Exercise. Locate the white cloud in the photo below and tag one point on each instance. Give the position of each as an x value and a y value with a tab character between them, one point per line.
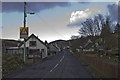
82	15
118	3
114	9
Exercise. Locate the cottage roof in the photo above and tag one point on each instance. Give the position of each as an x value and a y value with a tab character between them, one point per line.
12	47
32	35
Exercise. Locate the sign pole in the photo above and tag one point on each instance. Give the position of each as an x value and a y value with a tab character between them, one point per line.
24	26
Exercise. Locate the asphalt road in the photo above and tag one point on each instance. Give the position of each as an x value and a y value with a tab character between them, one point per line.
63	65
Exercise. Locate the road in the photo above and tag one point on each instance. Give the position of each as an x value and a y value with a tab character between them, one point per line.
63	65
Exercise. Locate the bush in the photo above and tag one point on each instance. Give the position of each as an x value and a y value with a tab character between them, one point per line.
74	50
115	51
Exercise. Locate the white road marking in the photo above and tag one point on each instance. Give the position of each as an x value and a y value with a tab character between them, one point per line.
57	64
61	59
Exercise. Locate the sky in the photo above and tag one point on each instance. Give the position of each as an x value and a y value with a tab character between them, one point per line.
52	20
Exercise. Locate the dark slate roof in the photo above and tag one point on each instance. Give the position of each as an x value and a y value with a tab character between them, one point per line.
32	35
89	46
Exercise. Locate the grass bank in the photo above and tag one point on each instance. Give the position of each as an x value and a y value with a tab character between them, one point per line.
100	66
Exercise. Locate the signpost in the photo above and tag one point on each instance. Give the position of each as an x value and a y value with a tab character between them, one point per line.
24	35
25	15
24	32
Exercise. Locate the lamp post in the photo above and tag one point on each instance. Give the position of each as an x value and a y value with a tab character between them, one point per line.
25	15
24	26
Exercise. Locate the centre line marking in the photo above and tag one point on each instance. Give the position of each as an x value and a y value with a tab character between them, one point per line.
61	59
57	64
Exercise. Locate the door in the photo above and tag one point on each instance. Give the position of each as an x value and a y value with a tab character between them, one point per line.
43	53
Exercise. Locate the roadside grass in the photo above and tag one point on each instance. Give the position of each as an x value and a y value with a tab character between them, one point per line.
112	60
97	73
11	63
108	59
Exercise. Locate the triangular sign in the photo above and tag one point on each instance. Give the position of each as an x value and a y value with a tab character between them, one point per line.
24	31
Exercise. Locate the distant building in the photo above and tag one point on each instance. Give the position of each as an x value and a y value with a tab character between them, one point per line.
60	44
34	45
88	45
52	49
9	44
14	50
102	49
90	49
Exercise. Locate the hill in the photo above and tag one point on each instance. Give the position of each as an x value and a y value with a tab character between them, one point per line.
111	41
9	43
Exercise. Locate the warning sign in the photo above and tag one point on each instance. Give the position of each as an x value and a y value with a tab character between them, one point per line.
23	32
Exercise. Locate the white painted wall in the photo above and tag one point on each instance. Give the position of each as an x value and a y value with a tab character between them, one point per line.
39	45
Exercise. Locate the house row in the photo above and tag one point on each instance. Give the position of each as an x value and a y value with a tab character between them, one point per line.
87	45
91	45
33	46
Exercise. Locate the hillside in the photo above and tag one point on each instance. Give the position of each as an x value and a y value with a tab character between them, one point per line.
60	43
111	42
10	43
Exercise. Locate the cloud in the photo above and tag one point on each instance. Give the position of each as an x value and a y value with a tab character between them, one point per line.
36	6
79	16
114	9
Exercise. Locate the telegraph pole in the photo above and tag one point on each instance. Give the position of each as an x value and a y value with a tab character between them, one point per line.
24	26
25	15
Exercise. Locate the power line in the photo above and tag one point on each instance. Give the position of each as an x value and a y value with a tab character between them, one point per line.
44	20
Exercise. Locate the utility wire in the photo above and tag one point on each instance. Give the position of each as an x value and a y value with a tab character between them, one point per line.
44	20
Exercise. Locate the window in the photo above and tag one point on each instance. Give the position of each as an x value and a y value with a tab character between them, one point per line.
32	43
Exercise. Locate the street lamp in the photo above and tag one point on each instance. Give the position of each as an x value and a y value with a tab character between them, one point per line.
25	15
31	13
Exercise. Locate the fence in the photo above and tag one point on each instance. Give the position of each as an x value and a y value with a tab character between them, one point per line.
108	70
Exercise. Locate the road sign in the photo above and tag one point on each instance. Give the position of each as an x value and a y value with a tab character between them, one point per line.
23	32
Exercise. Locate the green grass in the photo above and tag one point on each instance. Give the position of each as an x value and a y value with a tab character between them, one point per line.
97	73
74	50
113	60
11	63
111	42
104	59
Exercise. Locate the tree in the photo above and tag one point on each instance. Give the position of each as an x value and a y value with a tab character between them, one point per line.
93	26
117	28
99	22
87	29
46	43
106	31
74	37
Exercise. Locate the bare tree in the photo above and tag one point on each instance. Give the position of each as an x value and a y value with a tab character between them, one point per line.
87	28
99	22
117	28
74	37
93	26
106	31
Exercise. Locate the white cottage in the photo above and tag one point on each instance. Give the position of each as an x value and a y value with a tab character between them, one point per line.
35	45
